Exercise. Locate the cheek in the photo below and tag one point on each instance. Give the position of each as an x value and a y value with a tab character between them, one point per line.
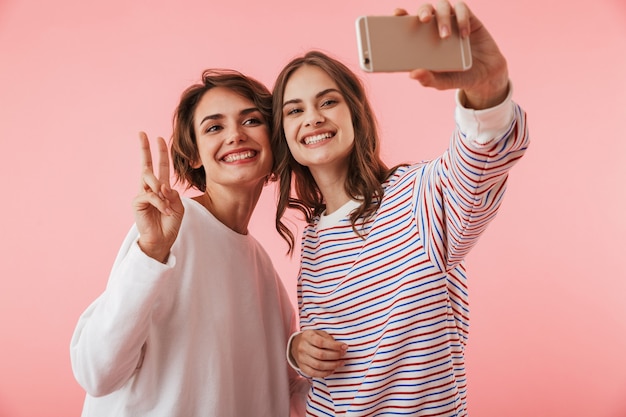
269	164
292	147
290	130
264	139
347	120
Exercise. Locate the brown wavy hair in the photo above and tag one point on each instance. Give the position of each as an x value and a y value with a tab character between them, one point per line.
366	171
184	147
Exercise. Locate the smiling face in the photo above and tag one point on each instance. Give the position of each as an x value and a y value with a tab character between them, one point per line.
316	121
232	139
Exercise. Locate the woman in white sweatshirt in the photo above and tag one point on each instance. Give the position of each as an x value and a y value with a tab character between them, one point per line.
194	319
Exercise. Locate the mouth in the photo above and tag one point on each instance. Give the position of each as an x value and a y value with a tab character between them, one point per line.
311	140
239	156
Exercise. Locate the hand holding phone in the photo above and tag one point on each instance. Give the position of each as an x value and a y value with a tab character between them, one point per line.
403	43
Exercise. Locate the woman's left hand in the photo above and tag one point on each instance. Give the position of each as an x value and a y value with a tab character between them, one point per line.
486	83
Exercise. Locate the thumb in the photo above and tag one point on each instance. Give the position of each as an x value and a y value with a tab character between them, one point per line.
437	80
173	198
424	77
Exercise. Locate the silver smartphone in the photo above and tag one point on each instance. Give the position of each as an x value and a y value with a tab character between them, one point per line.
403	43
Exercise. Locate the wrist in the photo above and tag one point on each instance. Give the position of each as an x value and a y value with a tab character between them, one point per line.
155	253
484	100
489	93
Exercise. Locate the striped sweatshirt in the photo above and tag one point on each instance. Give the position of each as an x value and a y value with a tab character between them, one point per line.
398	295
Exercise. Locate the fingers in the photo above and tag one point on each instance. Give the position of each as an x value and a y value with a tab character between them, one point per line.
426	12
323	340
463	15
154	191
444	20
148	180
148	199
317	353
145	154
174	202
445	13
164	163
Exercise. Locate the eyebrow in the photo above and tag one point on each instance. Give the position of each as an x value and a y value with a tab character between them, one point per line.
318	95
218	116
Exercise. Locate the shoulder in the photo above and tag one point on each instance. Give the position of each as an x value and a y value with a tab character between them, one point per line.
195	212
198	223
404	173
263	256
191	205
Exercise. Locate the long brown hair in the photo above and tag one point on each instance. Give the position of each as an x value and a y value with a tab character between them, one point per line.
184	147
366	171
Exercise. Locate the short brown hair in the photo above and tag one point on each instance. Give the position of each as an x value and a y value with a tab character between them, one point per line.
184	147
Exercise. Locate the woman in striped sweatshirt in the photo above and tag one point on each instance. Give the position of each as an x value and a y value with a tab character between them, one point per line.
382	291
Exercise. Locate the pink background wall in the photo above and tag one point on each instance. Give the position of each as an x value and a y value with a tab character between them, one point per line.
78	80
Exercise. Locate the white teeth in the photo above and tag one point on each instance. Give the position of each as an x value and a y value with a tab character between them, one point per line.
239	156
317	138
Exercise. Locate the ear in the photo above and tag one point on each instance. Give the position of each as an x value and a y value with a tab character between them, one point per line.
195	164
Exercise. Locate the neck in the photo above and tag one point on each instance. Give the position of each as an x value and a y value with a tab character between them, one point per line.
233	208
332	185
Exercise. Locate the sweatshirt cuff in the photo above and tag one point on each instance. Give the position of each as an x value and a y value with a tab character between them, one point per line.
482	126
136	252
143	269
290	358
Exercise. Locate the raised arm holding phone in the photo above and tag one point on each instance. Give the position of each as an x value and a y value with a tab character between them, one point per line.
382	287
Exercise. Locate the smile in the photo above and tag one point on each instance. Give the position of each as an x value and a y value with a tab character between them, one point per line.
234	157
310	140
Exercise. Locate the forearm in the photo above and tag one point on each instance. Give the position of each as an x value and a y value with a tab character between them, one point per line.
480	160
107	344
467	183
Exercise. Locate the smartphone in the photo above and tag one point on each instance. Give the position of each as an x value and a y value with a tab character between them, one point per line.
403	43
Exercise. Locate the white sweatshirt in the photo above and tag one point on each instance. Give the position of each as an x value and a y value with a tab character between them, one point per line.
203	335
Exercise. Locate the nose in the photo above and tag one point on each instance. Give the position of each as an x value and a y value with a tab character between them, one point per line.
236	134
314	118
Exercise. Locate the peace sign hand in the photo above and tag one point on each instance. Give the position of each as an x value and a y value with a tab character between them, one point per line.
158	208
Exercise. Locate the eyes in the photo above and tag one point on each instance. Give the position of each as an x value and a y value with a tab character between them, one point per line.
296	108
217	125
